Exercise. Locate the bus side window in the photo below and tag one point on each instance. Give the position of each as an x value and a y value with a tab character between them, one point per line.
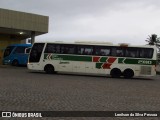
105	52
63	49
50	48
141	53
97	50
81	50
88	51
102	51
127	54
66	49
146	53
132	52
113	51
119	53
85	50
71	49
19	50
57	48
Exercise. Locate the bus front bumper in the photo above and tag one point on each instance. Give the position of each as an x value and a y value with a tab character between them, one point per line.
6	62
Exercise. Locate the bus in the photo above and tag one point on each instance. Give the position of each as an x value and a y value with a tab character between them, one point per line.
94	58
16	54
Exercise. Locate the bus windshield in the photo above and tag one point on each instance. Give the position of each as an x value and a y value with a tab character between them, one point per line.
8	51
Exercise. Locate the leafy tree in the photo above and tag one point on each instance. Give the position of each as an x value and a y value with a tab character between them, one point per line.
153	40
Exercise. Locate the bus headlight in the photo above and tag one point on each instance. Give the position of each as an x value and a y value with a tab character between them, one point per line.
7	61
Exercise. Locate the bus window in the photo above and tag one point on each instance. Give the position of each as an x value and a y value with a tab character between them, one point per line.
67	49
19	49
71	49
8	51
36	52
85	50
132	52
103	51
117	51
146	53
52	48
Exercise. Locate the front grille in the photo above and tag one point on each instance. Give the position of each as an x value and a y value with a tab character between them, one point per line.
145	70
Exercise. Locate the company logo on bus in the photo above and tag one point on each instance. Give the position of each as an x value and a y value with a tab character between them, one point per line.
145	62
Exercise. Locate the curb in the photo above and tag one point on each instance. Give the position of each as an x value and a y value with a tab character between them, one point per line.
4	66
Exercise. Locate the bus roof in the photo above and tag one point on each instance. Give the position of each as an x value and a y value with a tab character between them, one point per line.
100	44
26	45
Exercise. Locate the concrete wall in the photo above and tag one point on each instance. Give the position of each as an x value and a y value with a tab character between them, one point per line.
16	26
23	21
4	42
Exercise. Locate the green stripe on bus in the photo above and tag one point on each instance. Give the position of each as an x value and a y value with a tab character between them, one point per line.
99	65
120	60
69	57
76	58
103	59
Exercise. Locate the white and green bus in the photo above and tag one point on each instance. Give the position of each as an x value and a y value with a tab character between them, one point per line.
93	58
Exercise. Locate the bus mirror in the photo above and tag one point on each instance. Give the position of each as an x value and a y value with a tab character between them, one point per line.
27	50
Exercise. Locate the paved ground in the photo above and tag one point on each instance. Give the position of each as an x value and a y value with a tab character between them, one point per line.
22	90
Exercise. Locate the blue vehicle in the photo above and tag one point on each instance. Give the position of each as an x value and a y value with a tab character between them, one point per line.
16	54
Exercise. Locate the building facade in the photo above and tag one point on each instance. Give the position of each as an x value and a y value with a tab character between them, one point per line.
16	26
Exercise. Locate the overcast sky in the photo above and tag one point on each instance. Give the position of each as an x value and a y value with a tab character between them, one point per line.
117	21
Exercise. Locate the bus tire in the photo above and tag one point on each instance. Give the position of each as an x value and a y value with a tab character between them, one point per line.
128	73
15	63
115	73
49	69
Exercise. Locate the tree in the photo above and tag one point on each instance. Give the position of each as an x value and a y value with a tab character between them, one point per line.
153	40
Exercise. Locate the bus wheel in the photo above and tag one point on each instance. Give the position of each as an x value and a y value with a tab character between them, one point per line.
49	69
128	73
115	73
15	63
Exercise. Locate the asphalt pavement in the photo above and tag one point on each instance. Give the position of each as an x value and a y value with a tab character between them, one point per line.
23	90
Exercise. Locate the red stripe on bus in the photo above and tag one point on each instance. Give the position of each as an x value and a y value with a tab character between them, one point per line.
96	59
106	66
111	60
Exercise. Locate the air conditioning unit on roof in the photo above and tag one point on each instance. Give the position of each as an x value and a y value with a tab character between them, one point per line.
94	42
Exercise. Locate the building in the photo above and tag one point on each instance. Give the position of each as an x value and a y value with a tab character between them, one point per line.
16	26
